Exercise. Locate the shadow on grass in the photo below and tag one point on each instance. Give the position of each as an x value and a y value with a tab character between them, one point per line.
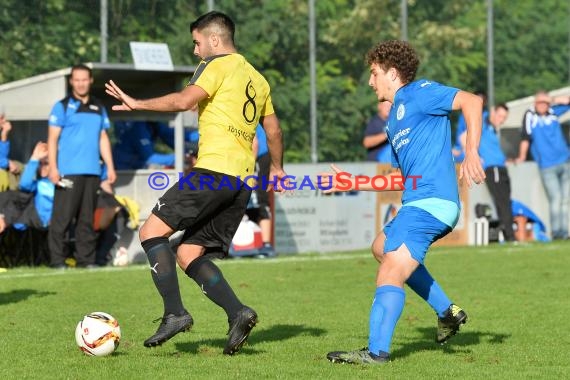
460	343
273	333
18	295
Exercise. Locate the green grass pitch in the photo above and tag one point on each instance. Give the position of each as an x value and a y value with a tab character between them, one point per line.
516	298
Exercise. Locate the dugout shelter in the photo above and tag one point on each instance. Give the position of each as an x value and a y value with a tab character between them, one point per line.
29	101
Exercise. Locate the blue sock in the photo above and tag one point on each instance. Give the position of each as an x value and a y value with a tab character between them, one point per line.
426	287
386	310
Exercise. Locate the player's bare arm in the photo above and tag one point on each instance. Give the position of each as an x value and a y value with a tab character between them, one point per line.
472	108
274	135
183	100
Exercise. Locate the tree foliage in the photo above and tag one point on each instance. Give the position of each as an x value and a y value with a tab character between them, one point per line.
531	49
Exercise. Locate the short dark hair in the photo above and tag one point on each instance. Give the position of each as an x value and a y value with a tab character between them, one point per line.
503	106
397	54
81	66
219	19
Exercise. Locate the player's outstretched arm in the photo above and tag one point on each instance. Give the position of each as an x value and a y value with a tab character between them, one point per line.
184	100
342	181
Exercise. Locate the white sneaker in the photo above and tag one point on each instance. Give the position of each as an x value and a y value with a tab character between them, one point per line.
121	257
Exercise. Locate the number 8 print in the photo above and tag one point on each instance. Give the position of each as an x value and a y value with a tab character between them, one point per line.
249	107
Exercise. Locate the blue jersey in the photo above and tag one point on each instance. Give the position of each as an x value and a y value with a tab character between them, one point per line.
384	154
262	147
420	134
461	128
81	126
4	154
547	143
490	147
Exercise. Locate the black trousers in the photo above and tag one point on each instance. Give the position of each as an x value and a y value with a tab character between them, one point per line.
69	204
499	185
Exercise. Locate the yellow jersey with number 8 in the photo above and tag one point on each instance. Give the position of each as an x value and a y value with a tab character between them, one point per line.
238	96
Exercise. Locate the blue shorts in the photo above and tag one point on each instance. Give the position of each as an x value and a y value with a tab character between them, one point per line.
416	228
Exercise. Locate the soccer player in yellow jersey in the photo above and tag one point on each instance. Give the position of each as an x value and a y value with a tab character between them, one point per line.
232	98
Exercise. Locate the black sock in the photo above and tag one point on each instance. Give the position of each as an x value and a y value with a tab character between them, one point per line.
162	263
213	284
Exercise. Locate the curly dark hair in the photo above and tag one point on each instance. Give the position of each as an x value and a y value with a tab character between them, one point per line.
397	54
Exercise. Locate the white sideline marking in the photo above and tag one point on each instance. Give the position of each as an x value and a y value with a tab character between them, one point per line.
245	261
293	258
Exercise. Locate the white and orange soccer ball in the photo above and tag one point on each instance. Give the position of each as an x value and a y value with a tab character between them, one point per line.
98	334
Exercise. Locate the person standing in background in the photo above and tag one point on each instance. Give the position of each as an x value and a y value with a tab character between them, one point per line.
375	138
542	133
260	213
494	163
77	141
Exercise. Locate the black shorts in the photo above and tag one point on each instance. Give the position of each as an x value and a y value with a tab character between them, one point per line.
259	213
209	214
261	210
263	164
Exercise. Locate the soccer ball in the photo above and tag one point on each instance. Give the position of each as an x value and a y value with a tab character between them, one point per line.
98	334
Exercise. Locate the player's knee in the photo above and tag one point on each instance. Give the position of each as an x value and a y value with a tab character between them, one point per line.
146	232
154	227
377	253
187	254
378	249
390	272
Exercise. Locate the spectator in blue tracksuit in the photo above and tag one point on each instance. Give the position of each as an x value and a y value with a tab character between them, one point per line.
22	212
35	180
542	133
134	148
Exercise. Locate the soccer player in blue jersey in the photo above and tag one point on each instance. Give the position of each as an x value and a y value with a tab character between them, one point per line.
420	134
